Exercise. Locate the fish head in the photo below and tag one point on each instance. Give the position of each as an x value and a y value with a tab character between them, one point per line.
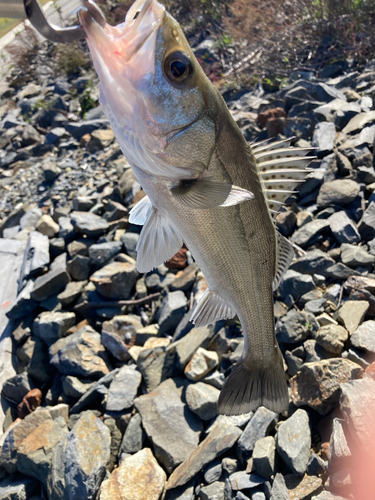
153	90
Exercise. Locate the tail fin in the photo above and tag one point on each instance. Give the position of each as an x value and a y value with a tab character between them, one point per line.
249	387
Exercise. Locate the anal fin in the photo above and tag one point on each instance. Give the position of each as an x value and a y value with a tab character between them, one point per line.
211	308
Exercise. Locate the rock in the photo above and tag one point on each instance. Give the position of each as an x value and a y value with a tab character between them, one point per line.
303	488
326	495
364	337
201	364
323	138
202	400
101	253
340	272
343	228
366	225
12	488
119	335
152	363
318	384
75	387
35	451
308	233
138	477
116	280
313	262
214	491
316	466
81	354
259	426
295	284
79	267
295	327
264	457
50	171
71	292
279	490
130	241
213	472
351	314
187	346
14	437
171	311
50	283
66	229
47	226
332	338
294	363
358	122
315	306
89	224
36	254
338	446
30	402
123	389
50	326
242	481
23	304
87	453
185	279
96	395
31	218
15	388
220	439
172	428
178	261
134	436
293	441
338	192
354	256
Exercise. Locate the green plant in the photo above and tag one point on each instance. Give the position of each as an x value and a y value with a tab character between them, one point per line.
71	59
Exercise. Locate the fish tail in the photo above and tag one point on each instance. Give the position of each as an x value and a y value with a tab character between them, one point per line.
251	385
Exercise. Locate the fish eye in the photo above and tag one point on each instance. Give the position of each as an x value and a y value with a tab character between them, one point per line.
178	68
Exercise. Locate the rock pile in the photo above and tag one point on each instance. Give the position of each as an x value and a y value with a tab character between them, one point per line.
116	392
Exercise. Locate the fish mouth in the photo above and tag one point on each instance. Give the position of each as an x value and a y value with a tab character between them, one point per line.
126	39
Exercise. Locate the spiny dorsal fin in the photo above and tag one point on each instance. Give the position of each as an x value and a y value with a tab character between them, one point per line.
284	256
211	308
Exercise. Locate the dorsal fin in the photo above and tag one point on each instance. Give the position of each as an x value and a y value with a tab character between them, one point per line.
284	256
281	170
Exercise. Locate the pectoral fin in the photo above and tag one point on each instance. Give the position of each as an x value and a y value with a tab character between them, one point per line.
158	242
211	308
203	194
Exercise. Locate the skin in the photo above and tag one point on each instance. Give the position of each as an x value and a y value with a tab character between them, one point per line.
185	131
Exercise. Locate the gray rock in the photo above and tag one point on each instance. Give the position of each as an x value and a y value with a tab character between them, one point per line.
202	363
50	171
23	304
15	435
264	456
171	311
116	280
81	354
259	426
338	445
152	364
220	439
31	218
358	122
323	138
296	327
88	223
39	368
352	313
94	395
313	262
213	472
101	253
316	466
295	284
279	490
66	228
119	335
87	453
79	129
36	254
75	387
293	441
50	326
338	192
35	451
241	480
123	388
327	495
354	256
71	292
340	272
12	488
364	337
172	428
315	352
130	241
315	306
343	228
79	267
294	363
366	225
56	135
214	491
332	338
303	487
307	234
187	346
15	388
329	111
134	436
202	400
318	384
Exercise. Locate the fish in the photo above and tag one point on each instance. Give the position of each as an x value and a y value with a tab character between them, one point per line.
205	186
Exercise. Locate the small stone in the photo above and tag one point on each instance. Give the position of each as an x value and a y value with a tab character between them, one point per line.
221	438
260	425
50	284
295	284
75	387
318	384
119	335
279	490
172	428
332	338
364	337
18	489
31	218
303	488
30	402
366	225
96	395
138	477
59	411
39	368
101	253
71	292
36	254
79	267
201	364
87	452
23	304
323	138
351	314
81	354
187	346
202	400
316	466
50	171
340	272
338	192
242	481
293	441
134	436
185	279
343	228
130	241
89	224
213	472
354	256
15	388
47	226
116	280
171	311
264	456
338	446
214	491
309	233
295	327
123	389
50	326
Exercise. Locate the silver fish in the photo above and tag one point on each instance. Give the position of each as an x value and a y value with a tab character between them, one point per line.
205	185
